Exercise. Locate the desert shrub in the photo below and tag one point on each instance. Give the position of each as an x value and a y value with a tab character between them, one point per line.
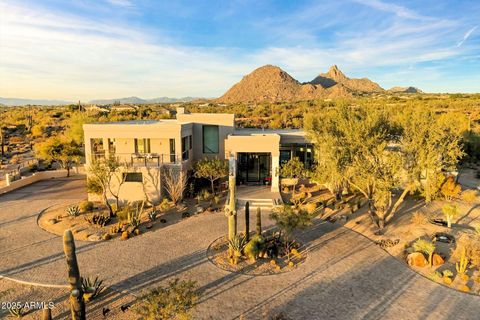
254	247
311	207
123	213
471	243
205	194
86	206
171	302
426	247
419	218
450	189
164	205
447	273
469	196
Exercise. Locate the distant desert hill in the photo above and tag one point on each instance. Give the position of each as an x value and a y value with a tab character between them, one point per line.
404	90
270	83
334	77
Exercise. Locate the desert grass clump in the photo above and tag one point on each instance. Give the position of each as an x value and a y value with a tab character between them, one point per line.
171	302
469	196
426	247
419	218
86	206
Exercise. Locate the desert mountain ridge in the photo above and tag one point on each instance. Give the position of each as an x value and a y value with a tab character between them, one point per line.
272	84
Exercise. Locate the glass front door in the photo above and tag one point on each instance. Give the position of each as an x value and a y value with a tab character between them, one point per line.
253	167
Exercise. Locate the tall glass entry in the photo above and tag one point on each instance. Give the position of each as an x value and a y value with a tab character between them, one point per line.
253	168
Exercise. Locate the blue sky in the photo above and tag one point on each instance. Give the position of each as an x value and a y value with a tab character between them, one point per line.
83	49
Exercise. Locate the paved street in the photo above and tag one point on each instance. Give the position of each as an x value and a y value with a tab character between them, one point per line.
345	275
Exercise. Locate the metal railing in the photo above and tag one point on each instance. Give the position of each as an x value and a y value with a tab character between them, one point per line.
140	159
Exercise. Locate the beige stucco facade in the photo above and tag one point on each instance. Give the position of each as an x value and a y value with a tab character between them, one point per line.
146	147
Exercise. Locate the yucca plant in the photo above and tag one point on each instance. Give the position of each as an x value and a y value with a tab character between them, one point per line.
73	211
92	288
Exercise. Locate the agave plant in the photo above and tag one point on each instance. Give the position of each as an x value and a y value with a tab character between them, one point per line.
237	244
152	215
73	211
17	312
92	288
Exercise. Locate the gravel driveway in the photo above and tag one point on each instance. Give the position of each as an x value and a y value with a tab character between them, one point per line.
344	277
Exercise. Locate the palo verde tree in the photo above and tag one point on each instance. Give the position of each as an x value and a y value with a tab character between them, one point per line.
374	153
430	144
101	173
356	142
211	169
60	149
293	169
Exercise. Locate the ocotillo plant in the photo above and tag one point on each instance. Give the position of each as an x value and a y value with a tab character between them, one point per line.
247	221
259	221
77	304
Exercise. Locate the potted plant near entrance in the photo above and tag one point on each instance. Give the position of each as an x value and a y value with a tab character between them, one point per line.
267	181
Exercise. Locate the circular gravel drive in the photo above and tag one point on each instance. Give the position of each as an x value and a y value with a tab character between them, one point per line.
344	277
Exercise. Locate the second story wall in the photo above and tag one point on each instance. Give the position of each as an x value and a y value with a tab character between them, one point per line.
209	132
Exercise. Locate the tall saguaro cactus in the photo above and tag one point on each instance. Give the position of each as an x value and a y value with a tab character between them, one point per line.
77	304
247	221
232	212
47	314
259	221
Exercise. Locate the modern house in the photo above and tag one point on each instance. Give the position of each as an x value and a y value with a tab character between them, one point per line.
145	147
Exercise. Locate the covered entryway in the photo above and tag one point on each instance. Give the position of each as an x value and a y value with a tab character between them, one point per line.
257	158
254	168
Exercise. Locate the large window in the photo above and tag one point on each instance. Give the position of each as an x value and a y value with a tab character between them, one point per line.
142	145
133	177
210	139
185	148
172	150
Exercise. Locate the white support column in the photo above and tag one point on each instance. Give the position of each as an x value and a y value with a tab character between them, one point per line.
275	173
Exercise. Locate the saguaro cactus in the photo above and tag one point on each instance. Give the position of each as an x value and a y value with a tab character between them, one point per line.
77	304
47	313
259	221
247	221
232	212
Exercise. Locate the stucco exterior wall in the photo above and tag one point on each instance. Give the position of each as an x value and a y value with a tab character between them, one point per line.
226	125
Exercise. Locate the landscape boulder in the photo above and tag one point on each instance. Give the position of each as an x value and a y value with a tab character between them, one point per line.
437	260
416	259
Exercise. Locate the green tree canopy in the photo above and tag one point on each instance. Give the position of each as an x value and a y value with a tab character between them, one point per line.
211	169
61	150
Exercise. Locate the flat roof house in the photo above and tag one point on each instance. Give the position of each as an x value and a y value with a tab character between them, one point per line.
145	147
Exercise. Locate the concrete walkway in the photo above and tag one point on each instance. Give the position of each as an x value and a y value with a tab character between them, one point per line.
344	277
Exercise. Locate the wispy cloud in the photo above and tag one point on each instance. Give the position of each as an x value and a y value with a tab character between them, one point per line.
64	54
466	36
120	3
399	11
